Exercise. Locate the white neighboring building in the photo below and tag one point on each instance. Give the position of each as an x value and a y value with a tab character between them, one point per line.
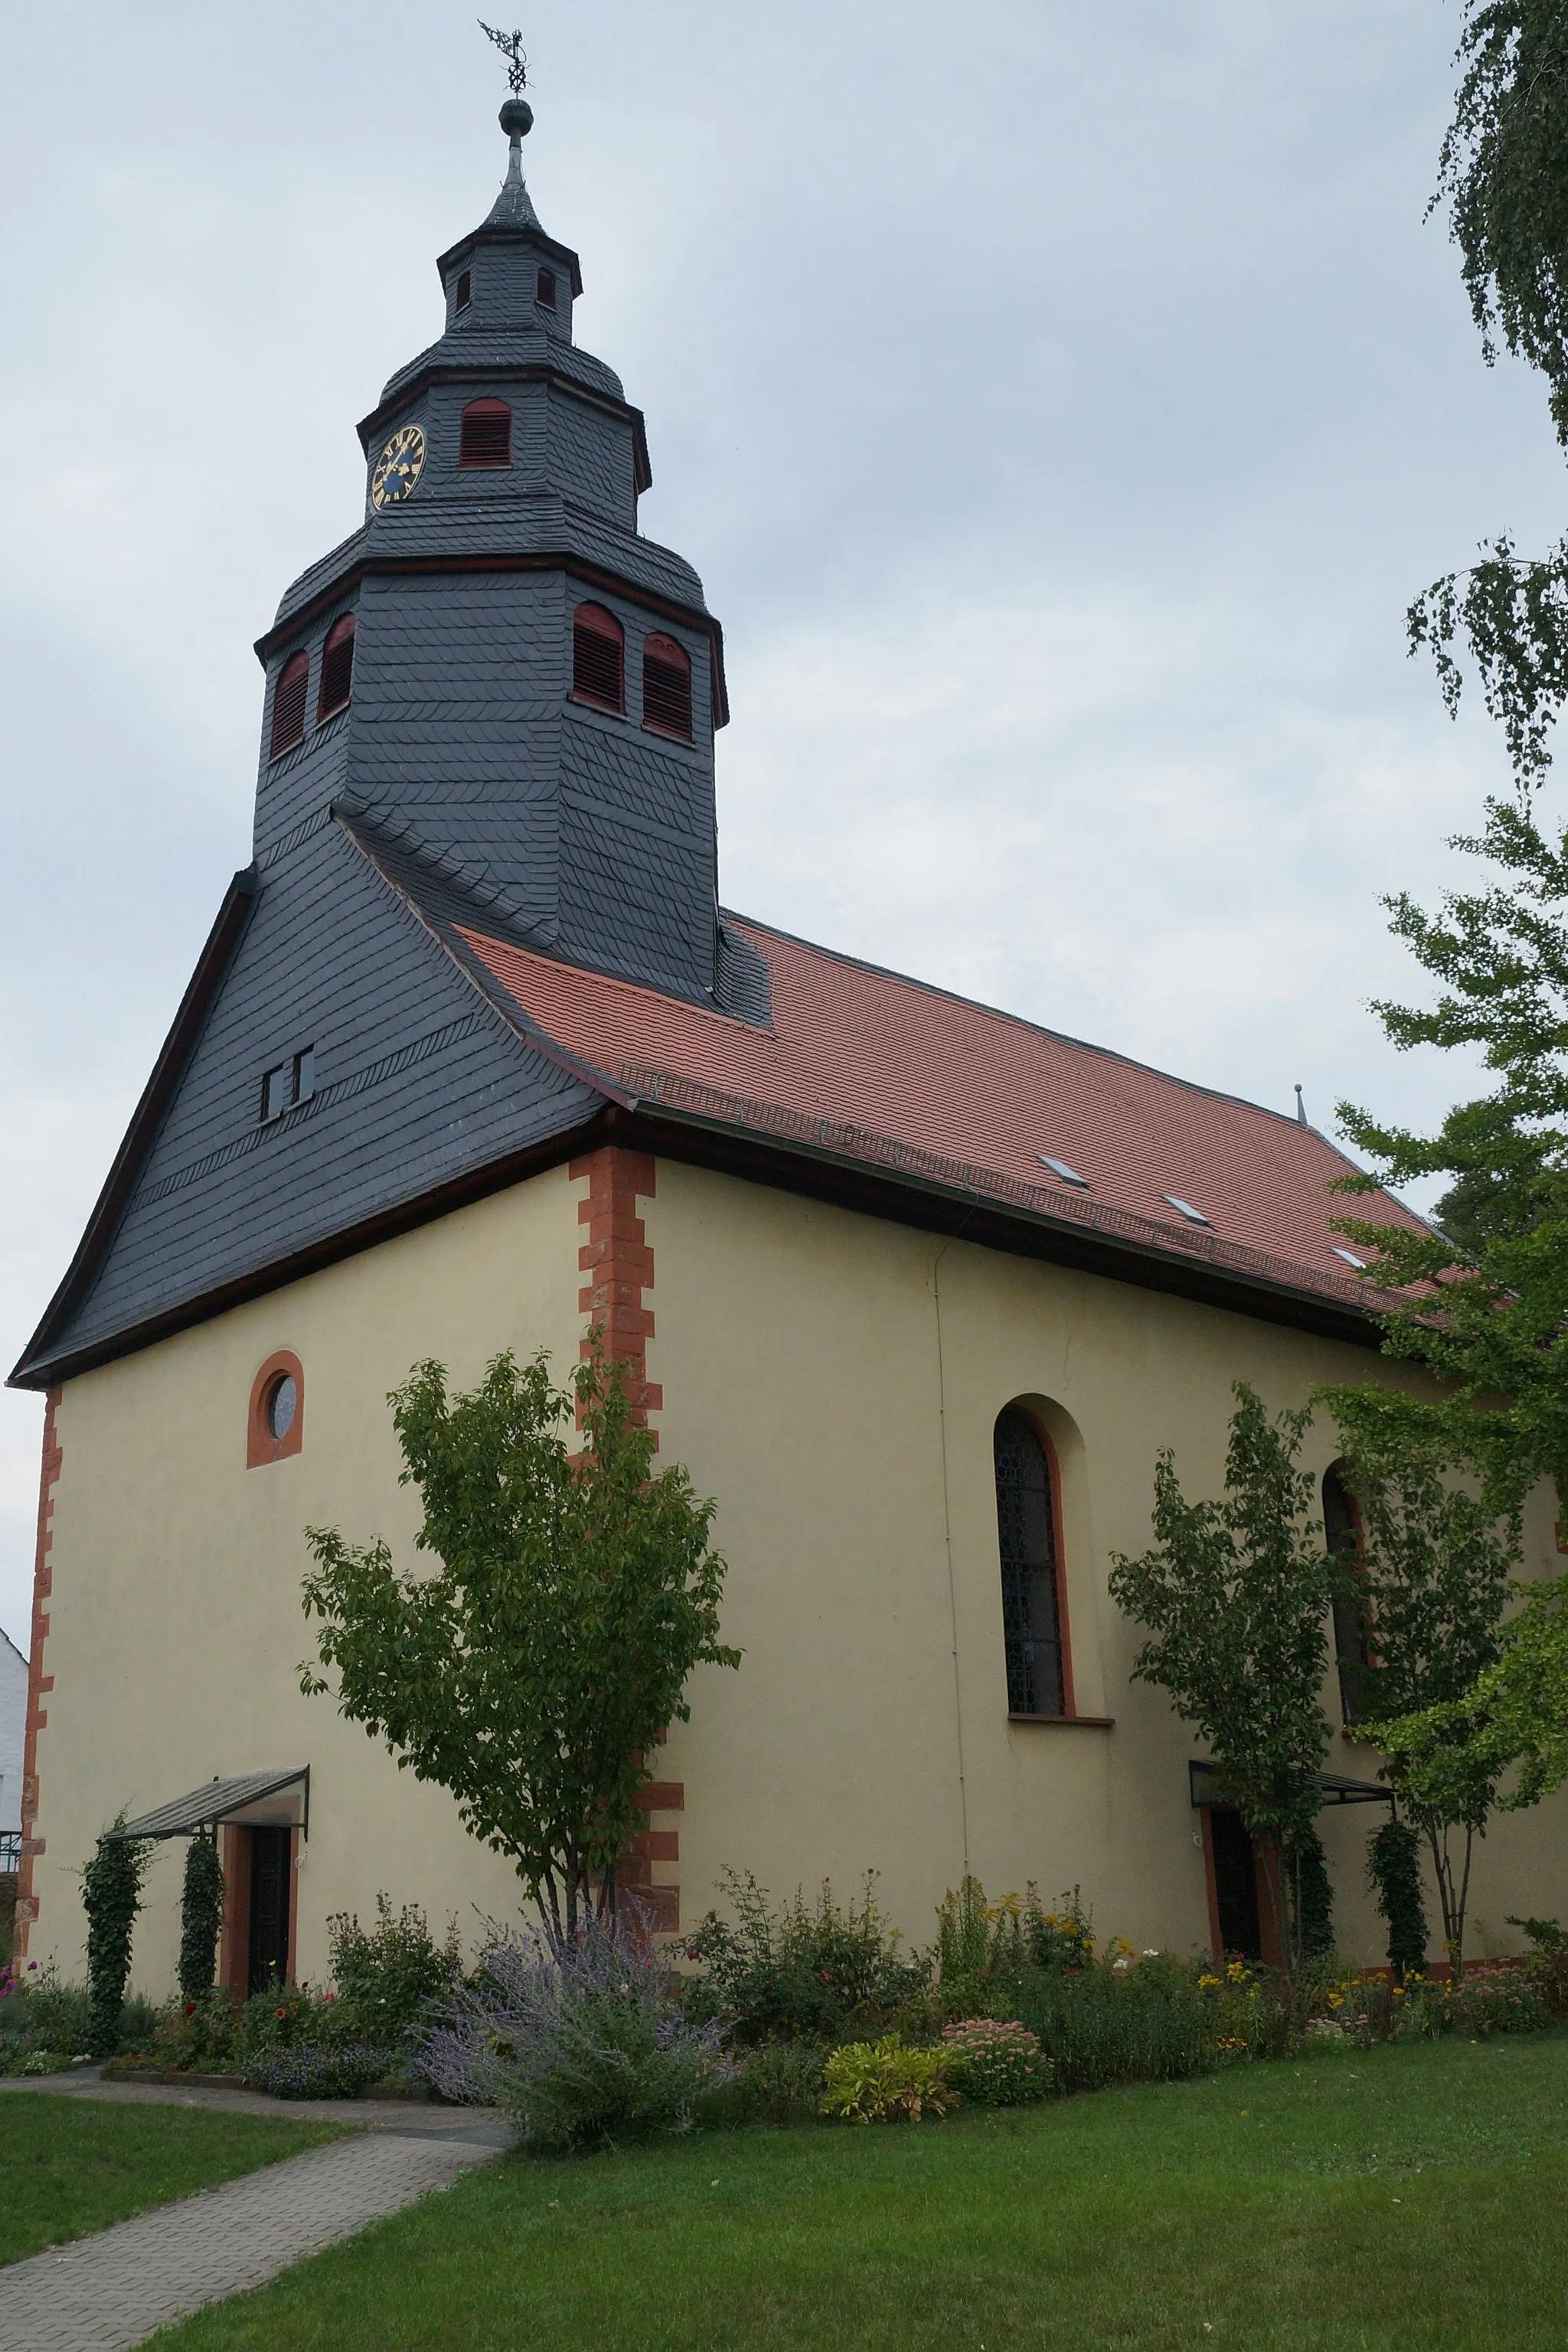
13	1728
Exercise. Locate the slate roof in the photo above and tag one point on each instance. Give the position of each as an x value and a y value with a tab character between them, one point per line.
918	1078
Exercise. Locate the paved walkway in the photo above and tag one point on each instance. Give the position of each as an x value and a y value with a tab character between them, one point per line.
108	2292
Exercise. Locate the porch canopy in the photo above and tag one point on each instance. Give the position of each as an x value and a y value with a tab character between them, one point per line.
1207	1787
279	1801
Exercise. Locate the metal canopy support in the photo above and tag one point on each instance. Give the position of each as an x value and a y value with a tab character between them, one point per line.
1207	1787
262	1800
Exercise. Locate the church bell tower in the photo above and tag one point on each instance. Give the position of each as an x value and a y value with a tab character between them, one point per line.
497	675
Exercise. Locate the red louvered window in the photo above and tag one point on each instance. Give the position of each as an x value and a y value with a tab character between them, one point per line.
465	290
289	703
337	667
487	433
598	658
665	687
545	296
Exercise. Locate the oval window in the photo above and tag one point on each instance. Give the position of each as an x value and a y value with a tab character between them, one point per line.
282	1400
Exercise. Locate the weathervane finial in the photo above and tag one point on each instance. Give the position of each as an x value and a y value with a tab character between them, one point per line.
516	55
516	115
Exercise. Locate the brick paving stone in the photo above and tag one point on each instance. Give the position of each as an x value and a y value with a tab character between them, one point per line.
409	2118
107	2293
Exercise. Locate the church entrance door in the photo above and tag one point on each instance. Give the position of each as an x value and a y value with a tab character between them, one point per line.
1234	1863
270	1854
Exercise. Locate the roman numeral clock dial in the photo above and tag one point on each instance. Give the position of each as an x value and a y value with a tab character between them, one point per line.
398	468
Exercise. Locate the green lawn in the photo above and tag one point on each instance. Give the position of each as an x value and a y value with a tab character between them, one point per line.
73	2165
1384	2202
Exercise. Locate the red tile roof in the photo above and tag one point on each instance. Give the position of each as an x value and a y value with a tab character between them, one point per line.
867	1050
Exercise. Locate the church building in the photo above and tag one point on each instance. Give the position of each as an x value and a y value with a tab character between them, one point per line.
475	1057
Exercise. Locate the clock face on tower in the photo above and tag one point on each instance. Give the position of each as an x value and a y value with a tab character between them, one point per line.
398	468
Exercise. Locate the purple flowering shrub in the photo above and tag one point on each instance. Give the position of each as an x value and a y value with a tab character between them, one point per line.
579	2041
319	2071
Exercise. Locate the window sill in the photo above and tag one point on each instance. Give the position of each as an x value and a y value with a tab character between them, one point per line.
592	702
1082	1722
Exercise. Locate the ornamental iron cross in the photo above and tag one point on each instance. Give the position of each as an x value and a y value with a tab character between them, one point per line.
516	55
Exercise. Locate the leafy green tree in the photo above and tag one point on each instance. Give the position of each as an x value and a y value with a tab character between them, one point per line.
1234	1595
1430	1577
1503	172
1514	1715
1483	1298
537	1668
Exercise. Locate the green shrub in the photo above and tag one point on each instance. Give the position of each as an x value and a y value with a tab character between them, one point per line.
772	2083
111	1898
984	1947
798	1973
286	2017
201	1917
1547	1962
884	2082
1394	1867
1100	2025
1001	2065
40	2016
312	2071
202	2034
1496	2000
388	1975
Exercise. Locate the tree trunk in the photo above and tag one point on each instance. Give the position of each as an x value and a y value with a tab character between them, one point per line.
1453	1897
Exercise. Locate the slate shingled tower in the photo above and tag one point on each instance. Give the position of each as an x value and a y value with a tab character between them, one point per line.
343	1062
463	737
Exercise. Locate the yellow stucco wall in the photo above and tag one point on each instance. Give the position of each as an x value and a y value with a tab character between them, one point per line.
175	1627
798	1346
798	1349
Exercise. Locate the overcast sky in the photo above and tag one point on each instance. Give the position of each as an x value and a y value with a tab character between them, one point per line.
1060	403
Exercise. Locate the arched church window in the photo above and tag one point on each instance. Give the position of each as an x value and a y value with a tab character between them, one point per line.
1031	1594
598	658
1352	1654
545	295
337	667
665	687
289	703
487	433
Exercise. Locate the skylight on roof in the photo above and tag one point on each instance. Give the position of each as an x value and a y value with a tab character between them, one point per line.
1194	1216
1059	1168
1351	1258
